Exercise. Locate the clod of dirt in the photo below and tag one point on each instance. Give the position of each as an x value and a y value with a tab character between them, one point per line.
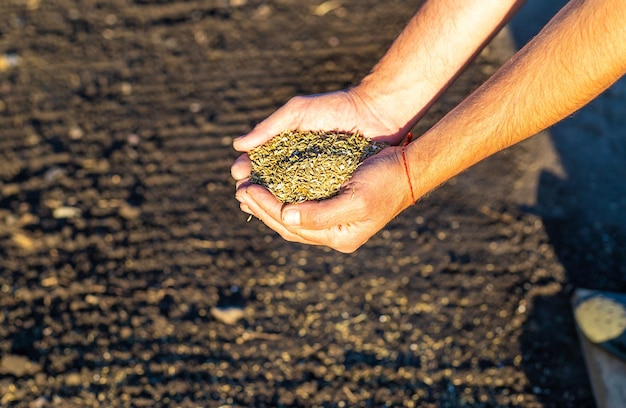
301	166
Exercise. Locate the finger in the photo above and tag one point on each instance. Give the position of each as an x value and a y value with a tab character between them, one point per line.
262	204
264	131
241	193
283	119
325	214
244	208
241	167
242	182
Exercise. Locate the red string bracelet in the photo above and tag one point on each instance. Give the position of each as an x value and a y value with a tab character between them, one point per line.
409	137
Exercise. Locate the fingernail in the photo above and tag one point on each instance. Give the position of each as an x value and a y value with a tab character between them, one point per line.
291	217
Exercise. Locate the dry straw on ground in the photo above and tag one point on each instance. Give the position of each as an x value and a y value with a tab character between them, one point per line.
301	166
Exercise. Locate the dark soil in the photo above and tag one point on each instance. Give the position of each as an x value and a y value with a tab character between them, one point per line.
119	233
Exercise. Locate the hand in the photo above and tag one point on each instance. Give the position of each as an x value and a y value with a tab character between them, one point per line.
346	221
377	192
347	110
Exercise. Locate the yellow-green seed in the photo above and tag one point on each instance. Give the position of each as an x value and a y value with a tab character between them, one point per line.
301	166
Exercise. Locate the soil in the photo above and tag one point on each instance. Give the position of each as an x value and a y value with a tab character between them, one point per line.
123	251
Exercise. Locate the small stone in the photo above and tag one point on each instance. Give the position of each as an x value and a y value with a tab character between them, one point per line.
126	332
66	212
33	4
8	61
49	281
133	139
92	300
18	366
126	88
23	241
227	315
54	174
76	133
129	213
10	189
73	380
40	402
326	7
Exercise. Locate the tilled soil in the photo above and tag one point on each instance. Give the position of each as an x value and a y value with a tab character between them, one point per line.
120	239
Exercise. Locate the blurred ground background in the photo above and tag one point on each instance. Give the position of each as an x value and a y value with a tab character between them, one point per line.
120	236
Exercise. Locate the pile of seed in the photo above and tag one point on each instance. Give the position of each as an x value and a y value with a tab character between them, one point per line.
301	166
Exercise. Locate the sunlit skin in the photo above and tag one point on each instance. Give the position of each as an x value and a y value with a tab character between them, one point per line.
578	54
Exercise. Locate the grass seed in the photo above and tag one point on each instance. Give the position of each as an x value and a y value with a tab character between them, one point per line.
301	166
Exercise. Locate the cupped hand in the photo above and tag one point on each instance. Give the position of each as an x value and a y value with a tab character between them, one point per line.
346	110
376	193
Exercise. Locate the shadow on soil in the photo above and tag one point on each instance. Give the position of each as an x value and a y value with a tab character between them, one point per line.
585	220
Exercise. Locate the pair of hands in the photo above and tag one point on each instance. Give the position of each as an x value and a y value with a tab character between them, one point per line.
375	194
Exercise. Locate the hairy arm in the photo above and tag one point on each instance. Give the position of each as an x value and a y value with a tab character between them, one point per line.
435	46
580	53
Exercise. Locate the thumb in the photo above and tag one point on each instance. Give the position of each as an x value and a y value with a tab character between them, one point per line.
264	131
325	214
251	140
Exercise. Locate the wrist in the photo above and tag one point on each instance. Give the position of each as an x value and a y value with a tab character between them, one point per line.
405	164
401	101
384	106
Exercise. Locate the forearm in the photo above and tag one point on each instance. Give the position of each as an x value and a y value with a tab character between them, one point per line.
438	42
579	54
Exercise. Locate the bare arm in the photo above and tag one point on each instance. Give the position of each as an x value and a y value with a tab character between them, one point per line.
435	46
580	53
